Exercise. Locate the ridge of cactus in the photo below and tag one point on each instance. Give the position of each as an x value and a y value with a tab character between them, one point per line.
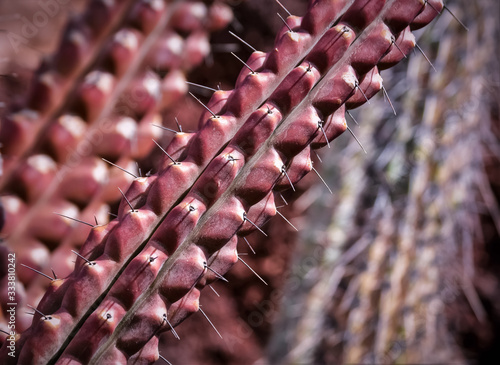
176	231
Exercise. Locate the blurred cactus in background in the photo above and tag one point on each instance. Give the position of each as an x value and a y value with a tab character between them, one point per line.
398	265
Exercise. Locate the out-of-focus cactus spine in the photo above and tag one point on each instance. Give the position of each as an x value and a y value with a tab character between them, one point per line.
176	231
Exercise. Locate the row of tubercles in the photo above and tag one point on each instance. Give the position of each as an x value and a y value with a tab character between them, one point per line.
239	207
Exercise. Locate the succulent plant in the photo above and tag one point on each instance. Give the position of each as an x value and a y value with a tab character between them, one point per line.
176	230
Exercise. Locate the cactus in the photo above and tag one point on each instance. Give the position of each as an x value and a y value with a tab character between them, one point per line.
176	231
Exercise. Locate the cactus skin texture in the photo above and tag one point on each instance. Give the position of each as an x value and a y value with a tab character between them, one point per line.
146	268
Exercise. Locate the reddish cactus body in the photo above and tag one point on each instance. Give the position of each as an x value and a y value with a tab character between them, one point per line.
147	267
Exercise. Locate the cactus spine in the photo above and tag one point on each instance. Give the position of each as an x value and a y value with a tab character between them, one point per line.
177	230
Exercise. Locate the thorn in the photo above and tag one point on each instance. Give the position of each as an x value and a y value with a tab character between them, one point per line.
318	156
39	272
121	168
425	56
432	6
168	362
215	272
209	321
83	258
165	152
113	215
283	198
245	218
453	15
128	202
95	218
74	219
243	62
386	95
252	270
399	49
284	21
40	313
285	9
356	138
232	159
320	126
290	223
53	273
215	291
179	126
201	86
164	128
152	258
352	117
362	92
206	107
283	171
324	182
242	41
7	333
138	169
249	245
171	327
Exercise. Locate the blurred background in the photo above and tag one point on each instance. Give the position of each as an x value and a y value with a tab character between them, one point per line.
401	264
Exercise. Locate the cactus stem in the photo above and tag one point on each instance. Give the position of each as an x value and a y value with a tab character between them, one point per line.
74	219
243	62
40	313
455	17
242	41
285	9
174	332
283	171
121	168
128	202
170	157
206	107
425	56
209	321
324	182
290	223
215	291
284	22
357	140
168	362
252	270
249	245
386	96
83	258
215	272
39	272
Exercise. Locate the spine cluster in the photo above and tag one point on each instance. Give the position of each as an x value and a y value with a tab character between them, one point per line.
177	230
